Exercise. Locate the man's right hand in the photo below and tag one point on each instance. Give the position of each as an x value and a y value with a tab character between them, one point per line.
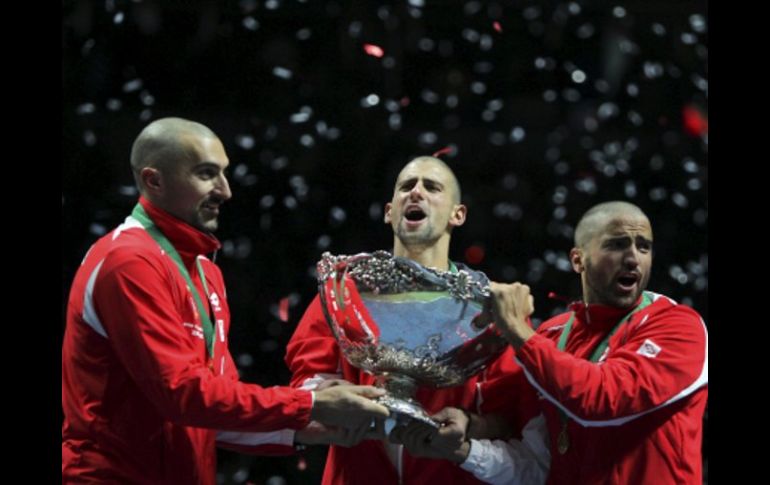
348	407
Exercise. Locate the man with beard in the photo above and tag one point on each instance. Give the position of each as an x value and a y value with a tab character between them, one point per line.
148	383
425	208
623	374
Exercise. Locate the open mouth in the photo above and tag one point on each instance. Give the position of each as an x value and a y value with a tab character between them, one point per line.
414	215
628	281
214	209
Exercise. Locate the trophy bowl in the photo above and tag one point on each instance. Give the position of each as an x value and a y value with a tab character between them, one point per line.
406	324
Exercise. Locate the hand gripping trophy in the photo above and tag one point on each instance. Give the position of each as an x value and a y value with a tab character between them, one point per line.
406	324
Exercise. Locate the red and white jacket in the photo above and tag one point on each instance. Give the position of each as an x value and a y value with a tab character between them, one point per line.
143	402
313	356
636	416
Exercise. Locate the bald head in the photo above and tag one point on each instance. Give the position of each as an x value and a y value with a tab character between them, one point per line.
594	220
166	142
454	184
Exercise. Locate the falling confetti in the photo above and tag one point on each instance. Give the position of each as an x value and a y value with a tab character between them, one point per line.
283	309
374	50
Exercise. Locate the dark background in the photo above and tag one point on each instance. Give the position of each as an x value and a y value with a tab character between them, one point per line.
545	109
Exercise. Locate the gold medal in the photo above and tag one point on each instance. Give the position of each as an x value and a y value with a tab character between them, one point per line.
562	443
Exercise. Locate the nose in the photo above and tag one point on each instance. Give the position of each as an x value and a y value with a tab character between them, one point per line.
416	192
631	257
222	188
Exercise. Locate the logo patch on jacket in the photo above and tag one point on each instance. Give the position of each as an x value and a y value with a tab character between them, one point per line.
649	349
214	299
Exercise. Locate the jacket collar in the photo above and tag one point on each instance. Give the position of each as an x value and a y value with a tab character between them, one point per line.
600	316
187	240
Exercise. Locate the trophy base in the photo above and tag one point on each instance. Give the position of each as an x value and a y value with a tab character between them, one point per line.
406	410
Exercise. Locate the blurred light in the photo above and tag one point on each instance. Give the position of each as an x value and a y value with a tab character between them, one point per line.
474	255
695	123
374	50
245	141
497	27
89	138
478	87
517	134
688	38
658	29
426	45
307	140
282	72
97	229
85	108
630	189
657	193
699	217
652	70
578	76
250	23
354	29
585	31
497	139
114	104
635	118
266	201
429	96
132	85
323	242
619	12
698	23
679	200
607	110
369	101
394	121
531	13
470	35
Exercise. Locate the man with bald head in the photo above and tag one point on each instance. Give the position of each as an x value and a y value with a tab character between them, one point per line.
623	374
148	383
424	210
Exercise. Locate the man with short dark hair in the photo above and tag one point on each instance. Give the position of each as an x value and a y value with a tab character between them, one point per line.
425	207
623	374
148	383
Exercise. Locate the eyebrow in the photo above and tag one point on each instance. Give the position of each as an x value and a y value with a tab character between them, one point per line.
208	163
625	236
425	180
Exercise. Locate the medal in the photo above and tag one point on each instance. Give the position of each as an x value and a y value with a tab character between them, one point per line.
562	442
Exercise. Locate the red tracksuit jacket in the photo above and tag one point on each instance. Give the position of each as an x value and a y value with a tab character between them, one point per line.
142	399
636	417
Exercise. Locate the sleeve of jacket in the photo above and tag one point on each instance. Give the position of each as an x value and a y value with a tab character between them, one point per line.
312	354
503	389
270	443
138	306
664	359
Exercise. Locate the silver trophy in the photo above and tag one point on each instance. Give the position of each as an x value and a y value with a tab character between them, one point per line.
406	324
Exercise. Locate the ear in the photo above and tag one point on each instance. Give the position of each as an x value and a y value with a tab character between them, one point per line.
459	212
152	179
388	219
576	258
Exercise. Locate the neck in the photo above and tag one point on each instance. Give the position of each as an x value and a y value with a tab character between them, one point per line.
434	255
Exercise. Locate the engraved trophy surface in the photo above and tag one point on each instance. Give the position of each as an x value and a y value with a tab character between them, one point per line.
407	324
